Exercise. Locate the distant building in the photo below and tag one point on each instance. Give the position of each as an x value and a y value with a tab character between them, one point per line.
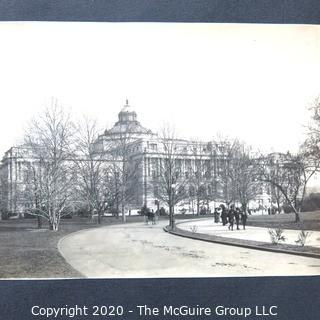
146	148
13	180
145	154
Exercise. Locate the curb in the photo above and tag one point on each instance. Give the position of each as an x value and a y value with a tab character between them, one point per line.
200	237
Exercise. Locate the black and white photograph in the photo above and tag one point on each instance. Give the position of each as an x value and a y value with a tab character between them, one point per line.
159	150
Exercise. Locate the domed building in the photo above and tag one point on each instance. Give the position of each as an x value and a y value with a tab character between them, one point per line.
136	163
127	127
144	155
127	122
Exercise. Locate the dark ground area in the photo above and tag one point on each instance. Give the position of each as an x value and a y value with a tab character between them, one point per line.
309	221
28	252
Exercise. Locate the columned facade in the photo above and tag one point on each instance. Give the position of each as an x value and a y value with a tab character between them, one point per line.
144	154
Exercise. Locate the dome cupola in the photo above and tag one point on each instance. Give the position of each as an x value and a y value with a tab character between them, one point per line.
127	114
127	123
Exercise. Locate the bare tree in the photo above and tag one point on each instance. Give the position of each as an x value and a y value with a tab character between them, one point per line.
243	171
277	197
92	170
235	171
49	138
114	190
200	173
290	174
314	126
311	146
34	189
171	182
309	162
226	152
124	169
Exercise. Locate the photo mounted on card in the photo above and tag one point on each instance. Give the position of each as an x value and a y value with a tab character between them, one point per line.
159	150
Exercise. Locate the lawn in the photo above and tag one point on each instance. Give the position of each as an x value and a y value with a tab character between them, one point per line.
28	252
309	221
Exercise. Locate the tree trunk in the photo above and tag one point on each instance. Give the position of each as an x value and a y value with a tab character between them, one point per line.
244	206
39	222
117	207
278	205
54	223
296	213
123	214
91	212
55	226
198	206
171	217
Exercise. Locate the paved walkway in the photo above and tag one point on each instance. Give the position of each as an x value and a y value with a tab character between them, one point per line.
207	226
138	250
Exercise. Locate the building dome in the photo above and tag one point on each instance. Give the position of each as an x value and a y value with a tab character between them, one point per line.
127	122
127	114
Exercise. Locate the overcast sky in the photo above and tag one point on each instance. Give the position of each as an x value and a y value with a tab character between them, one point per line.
249	81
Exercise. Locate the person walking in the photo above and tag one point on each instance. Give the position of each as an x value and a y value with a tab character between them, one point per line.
237	217
231	218
152	217
156	216
149	215
224	215
144	212
244	218
216	215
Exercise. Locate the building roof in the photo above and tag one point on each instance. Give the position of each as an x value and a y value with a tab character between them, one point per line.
127	123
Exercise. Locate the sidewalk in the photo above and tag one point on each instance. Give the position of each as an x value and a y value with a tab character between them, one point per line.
256	238
208	227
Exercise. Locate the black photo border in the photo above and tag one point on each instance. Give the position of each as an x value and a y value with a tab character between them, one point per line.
296	297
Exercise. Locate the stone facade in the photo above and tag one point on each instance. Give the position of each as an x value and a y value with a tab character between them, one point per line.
13	181
144	153
147	149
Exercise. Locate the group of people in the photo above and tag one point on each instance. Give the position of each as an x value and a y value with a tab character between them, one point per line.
232	216
149	215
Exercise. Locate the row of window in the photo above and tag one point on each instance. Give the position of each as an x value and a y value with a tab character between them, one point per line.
204	190
204	168
183	148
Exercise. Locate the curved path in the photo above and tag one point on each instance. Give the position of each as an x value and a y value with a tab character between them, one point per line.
138	250
206	226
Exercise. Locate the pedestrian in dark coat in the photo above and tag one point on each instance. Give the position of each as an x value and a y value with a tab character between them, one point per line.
237	217
152	217
244	218
144	212
224	216
231	218
216	215
149	215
